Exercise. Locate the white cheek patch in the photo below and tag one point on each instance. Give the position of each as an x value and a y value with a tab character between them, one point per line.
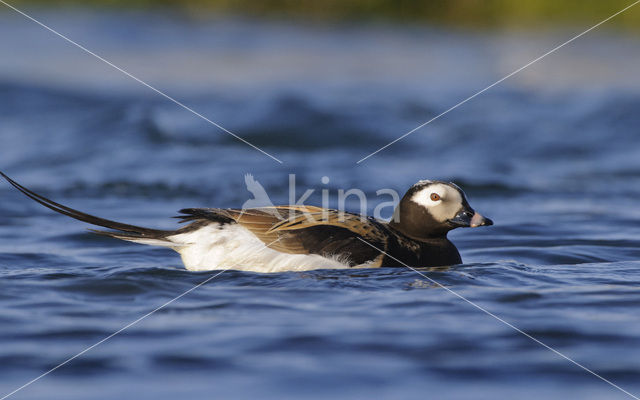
445	208
423	198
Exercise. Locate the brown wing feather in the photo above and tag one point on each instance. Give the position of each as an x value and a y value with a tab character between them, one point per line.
273	220
308	230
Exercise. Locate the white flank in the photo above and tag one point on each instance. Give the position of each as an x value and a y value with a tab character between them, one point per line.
215	247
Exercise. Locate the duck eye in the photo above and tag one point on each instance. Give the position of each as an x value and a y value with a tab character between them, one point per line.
435	197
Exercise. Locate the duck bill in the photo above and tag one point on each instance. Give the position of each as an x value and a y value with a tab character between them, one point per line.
479	220
470	219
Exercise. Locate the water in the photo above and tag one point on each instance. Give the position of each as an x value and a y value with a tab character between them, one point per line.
551	155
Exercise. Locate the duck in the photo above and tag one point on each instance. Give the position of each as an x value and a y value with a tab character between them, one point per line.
301	237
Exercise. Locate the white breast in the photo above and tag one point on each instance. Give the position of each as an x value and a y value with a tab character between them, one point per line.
230	246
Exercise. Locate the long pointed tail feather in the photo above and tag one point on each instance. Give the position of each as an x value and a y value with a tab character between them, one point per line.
132	232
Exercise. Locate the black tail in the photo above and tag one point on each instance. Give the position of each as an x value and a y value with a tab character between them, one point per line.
125	231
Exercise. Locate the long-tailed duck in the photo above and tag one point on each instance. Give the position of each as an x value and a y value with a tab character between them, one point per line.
306	237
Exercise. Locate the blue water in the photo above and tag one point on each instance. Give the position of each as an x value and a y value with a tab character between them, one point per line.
552	156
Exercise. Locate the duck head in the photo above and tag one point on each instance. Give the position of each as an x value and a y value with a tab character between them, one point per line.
430	209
